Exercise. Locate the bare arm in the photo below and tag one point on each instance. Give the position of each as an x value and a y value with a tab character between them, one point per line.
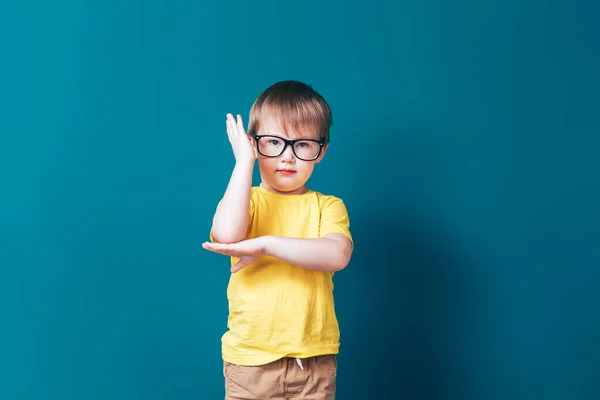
231	218
330	253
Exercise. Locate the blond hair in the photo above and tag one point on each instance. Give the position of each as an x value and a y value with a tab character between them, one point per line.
294	105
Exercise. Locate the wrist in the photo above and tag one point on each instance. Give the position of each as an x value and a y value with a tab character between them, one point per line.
267	245
245	165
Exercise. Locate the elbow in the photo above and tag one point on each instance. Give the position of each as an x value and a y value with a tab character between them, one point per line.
226	232
343	260
225	237
342	252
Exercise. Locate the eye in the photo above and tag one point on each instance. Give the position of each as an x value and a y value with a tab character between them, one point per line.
274	142
305	145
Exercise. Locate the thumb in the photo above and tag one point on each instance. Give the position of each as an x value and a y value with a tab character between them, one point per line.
240	264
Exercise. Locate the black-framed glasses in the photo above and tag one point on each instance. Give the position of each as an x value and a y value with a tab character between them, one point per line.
274	146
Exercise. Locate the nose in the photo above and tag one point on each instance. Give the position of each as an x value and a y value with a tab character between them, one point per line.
288	154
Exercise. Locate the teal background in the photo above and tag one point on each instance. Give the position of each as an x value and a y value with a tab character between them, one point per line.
465	145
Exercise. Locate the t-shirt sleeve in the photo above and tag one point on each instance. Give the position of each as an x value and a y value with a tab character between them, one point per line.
334	218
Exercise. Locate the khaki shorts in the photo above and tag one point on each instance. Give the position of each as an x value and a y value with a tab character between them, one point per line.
310	378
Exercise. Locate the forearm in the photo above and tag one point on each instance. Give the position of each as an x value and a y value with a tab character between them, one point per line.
322	254
231	218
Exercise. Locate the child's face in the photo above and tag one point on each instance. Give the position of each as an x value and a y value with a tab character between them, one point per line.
286	173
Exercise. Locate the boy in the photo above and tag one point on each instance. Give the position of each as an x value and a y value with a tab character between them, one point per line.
285	242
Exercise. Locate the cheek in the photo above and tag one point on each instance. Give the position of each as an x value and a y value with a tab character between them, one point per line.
306	168
267	163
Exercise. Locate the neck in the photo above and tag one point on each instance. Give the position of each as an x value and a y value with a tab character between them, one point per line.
301	190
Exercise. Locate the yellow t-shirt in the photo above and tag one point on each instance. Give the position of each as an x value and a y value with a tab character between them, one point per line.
277	309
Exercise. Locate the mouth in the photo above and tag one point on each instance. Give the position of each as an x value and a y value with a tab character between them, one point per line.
286	171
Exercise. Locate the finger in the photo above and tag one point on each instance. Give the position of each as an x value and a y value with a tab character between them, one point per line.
224	252
240	125
228	126
216	247
231	125
230	131
238	265
213	246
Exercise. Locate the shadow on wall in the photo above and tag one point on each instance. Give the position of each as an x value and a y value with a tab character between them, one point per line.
410	307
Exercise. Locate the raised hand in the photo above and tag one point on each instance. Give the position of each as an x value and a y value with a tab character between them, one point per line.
242	144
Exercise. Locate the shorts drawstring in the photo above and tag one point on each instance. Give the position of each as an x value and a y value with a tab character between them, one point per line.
299	361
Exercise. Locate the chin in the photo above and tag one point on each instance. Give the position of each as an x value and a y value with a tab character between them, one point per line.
285	186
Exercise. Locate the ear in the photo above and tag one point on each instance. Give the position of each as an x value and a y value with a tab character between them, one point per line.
318	160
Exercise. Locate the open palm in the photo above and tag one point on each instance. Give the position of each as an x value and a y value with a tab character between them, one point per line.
248	251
